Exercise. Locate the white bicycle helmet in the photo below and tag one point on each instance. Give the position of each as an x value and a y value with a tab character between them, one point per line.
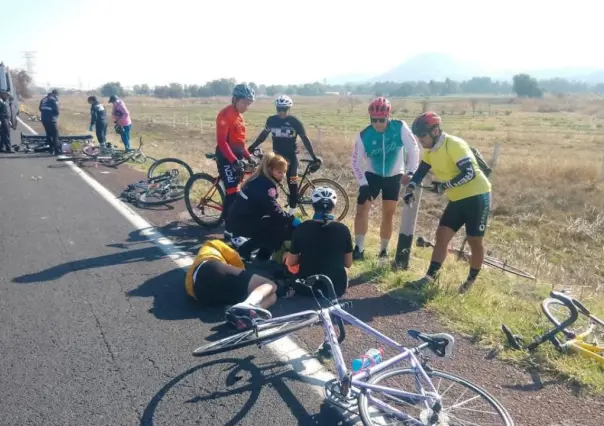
323	198
284	101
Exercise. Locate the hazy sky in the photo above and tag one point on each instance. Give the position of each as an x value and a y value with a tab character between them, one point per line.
267	41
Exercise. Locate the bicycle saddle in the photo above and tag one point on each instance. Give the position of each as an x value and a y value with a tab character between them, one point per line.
439	343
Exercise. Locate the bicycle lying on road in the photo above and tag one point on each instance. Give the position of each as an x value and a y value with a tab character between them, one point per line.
114	157
155	191
488	260
586	340
427	403
210	199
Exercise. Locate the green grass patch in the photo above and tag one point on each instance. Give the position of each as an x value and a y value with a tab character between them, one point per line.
497	298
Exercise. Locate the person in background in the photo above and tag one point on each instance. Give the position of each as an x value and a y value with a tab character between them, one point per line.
121	117
5	145
389	149
321	245
49	111
98	119
285	129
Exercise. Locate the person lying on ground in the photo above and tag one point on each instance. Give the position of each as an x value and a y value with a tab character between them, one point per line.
321	245
256	213
218	277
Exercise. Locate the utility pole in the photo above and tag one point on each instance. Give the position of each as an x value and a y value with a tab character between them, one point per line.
30	63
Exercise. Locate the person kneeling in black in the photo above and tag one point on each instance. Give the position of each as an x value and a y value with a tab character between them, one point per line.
256	213
322	245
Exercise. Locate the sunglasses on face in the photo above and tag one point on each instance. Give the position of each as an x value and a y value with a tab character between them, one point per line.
282	109
421	135
378	120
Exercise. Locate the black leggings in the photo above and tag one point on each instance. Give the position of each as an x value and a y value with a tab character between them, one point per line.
52	136
292	176
101	132
231	180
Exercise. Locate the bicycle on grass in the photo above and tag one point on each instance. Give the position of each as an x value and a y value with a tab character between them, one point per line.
425	402
488	260
586	340
201	202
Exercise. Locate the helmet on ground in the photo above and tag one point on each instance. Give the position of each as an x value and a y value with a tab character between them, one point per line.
244	91
380	107
424	123
112	99
284	101
323	198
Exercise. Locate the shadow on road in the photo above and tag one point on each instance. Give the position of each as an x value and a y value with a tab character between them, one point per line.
244	380
186	238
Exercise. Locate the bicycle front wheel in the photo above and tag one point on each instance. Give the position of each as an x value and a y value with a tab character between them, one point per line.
461	399
204	198
266	331
152	198
342	206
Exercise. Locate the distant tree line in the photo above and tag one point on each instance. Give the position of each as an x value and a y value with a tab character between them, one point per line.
521	85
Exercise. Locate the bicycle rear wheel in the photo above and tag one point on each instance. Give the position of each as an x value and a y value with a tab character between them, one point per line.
342	206
266	331
163	164
207	197
453	408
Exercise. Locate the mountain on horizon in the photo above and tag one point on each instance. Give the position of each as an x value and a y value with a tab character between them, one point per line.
439	67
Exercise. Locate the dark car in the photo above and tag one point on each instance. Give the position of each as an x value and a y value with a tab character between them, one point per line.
6	85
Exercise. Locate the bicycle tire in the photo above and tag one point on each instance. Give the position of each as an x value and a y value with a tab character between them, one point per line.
568	332
503	266
161	161
91	150
330	183
189	184
213	348
141	197
494	403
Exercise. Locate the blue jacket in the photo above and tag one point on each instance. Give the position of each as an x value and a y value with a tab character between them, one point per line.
258	198
49	108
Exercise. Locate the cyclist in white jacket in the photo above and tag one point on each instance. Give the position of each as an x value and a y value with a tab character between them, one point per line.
385	155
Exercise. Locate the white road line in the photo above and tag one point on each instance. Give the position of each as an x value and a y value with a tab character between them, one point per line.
307	367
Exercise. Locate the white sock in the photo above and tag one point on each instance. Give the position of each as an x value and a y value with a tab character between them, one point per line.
360	242
291	210
254	298
384	244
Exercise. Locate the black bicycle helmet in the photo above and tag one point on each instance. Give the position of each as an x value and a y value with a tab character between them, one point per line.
244	91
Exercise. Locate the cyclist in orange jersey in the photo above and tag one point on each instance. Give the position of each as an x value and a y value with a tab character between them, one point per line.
230	142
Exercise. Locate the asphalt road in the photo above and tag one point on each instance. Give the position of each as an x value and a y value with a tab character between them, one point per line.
95	327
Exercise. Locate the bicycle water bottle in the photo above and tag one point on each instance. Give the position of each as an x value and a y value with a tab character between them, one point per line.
371	357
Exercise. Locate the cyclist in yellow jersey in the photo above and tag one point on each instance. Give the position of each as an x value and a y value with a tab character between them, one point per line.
218	277
466	186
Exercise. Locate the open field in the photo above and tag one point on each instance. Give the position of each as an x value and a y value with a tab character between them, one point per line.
548	202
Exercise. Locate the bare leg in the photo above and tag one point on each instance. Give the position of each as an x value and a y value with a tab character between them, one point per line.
388	210
477	249
262	292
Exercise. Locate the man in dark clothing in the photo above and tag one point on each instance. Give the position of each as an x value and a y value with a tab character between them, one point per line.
4	124
49	109
98	118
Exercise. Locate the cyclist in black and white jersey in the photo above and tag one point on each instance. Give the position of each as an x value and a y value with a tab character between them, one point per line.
285	129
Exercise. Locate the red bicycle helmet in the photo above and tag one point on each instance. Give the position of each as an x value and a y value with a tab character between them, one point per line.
380	107
425	122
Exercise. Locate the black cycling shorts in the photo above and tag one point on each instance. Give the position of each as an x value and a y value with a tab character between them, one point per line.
390	187
473	212
218	284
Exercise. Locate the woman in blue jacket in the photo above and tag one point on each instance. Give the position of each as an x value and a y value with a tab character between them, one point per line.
256	213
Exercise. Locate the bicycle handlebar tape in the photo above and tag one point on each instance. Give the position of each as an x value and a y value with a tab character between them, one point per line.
406	231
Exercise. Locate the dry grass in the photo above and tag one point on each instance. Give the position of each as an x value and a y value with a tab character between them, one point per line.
548	196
